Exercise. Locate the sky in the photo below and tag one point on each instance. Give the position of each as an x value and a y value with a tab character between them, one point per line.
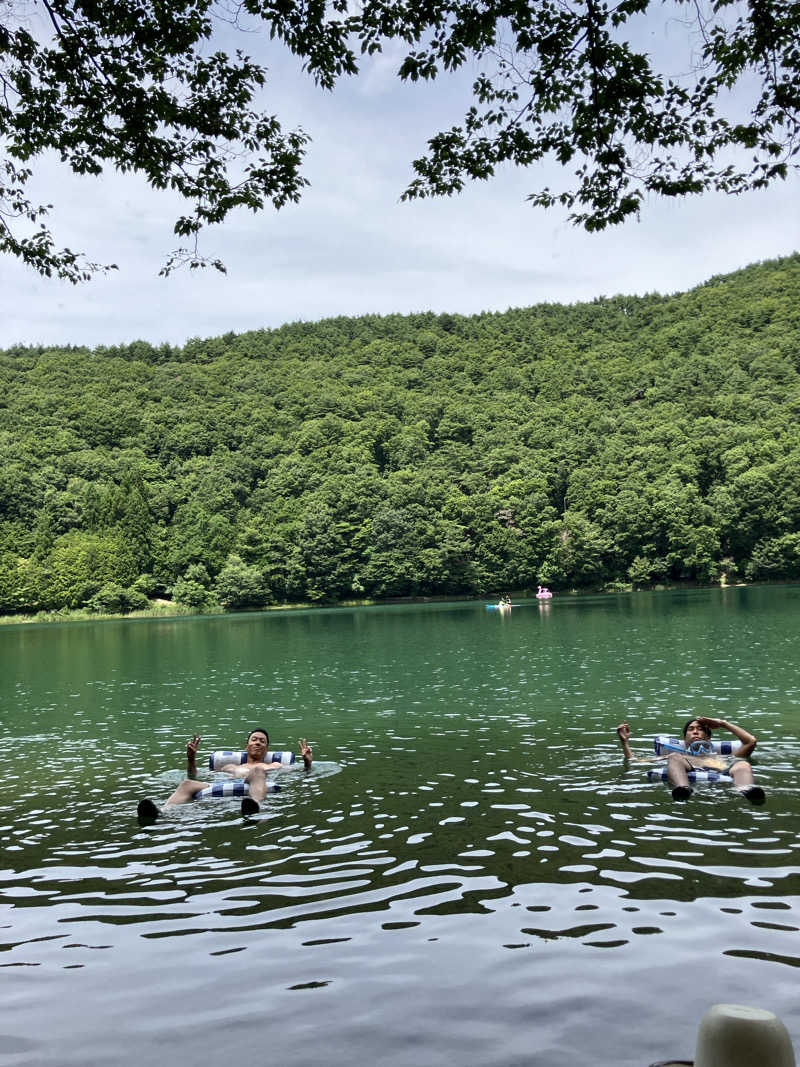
350	247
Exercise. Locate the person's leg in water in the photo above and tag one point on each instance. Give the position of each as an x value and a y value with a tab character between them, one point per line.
257	785
186	792
678	776
256	779
742	774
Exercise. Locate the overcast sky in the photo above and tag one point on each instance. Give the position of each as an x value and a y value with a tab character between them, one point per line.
350	247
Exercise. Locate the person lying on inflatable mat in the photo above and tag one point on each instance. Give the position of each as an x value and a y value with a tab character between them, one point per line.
253	771
695	733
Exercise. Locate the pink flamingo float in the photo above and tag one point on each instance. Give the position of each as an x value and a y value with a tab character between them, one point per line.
543	593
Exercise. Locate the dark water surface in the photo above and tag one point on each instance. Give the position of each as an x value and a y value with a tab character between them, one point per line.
469	876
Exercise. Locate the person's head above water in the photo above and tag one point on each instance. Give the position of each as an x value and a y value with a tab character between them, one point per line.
695	730
257	731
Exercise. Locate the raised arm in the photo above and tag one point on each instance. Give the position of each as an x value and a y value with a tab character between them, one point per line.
306	753
748	741
624	735
191	757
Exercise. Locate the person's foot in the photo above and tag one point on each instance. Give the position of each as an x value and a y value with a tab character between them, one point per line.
754	793
147	812
682	792
250	806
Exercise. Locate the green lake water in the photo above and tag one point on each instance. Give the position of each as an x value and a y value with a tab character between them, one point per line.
468	876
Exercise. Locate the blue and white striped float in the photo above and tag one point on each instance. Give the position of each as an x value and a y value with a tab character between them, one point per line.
697	775
664	744
222	758
237	787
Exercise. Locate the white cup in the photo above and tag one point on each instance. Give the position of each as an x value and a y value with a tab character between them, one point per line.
734	1035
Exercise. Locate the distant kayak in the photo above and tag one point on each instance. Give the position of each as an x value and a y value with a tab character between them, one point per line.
501	607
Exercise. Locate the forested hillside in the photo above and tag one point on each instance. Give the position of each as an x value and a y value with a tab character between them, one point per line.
633	439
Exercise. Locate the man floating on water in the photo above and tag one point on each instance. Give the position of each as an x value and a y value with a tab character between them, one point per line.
696	735
253	771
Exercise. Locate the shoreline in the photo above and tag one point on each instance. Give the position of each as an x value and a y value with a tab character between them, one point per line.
169	609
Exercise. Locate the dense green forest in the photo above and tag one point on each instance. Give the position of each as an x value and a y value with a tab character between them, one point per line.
627	440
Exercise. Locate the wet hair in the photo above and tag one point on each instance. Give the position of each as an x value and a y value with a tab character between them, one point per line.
703	727
259	730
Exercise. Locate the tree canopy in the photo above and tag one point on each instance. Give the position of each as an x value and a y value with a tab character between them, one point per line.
136	85
628	440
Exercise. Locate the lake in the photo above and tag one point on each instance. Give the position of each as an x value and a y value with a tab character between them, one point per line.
468	876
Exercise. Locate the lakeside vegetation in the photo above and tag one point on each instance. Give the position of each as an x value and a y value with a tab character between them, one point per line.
630	440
